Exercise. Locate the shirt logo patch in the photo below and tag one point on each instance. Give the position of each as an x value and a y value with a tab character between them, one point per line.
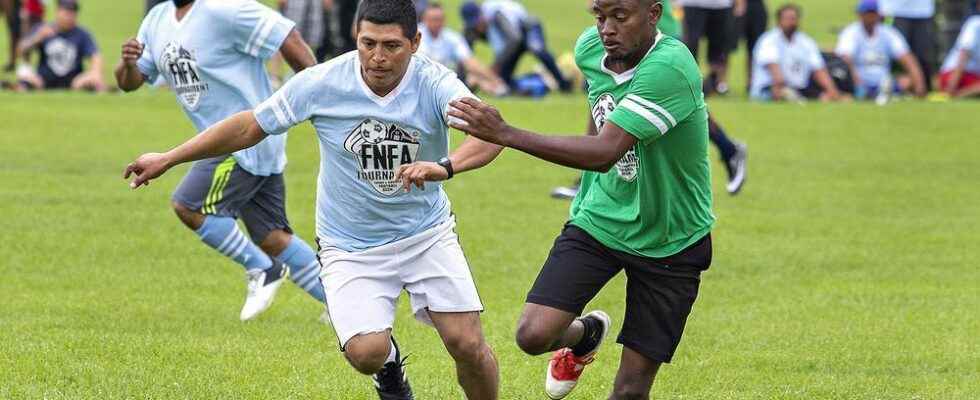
181	67
629	165
61	56
380	148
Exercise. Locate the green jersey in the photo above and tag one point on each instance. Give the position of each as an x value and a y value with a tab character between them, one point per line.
656	201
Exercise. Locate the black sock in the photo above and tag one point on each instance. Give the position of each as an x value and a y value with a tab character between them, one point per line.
591	335
720	139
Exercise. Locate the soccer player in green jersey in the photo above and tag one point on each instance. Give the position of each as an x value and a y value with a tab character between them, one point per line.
734	154
644	206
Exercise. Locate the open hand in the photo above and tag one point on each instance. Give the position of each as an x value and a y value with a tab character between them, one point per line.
132	50
418	173
479	119
146	167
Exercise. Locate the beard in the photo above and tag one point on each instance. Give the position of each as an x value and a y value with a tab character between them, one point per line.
181	3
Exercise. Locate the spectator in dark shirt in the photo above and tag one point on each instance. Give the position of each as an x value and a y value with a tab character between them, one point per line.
63	46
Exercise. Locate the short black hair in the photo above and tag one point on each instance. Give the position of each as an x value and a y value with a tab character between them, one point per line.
787	7
385	12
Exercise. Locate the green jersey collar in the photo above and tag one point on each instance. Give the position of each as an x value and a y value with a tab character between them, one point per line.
627	76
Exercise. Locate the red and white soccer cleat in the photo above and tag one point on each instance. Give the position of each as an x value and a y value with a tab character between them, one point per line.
565	368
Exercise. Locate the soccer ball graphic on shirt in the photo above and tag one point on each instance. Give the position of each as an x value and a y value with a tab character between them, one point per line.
380	148
628	166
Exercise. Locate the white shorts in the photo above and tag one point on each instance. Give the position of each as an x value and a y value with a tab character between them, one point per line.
362	288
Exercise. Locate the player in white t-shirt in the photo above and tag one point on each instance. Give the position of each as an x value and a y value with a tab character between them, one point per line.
380	115
212	55
787	64
450	49
868	47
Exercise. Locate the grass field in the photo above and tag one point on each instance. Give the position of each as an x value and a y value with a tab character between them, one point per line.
846	270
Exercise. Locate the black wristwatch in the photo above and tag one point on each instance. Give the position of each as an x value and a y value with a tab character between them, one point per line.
448	165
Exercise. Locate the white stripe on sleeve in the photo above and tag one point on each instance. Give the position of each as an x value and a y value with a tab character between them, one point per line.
653	106
290	116
254	35
643	112
277	110
267	25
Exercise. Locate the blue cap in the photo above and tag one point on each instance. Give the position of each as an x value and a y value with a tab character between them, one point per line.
471	13
866	6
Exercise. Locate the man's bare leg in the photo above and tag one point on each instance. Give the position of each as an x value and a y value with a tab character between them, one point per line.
635	376
476	365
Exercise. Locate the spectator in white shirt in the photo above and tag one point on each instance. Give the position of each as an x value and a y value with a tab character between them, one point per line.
960	73
449	48
788	64
868	47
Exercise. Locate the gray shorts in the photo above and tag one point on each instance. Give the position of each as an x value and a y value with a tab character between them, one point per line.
219	186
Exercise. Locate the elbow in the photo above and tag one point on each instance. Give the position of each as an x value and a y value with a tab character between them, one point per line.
602	164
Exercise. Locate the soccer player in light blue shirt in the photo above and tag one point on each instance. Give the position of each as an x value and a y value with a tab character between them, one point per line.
868	47
383	220
212	54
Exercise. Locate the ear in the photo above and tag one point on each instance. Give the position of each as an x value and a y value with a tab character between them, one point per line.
656	12
416	42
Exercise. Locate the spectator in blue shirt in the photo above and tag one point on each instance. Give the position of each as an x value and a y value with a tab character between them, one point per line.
869	47
63	46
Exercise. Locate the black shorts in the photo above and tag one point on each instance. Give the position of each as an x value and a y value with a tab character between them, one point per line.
659	291
717	25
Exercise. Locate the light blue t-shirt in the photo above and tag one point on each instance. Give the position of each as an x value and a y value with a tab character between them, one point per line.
364	138
968	40
214	61
872	54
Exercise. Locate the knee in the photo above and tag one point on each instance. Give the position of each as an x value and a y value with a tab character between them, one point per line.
276	242
533	339
467	349
192	219
366	359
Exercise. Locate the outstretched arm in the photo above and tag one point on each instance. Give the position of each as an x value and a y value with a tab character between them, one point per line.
237	132
593	153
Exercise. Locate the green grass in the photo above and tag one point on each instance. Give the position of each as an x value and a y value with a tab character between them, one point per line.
846	270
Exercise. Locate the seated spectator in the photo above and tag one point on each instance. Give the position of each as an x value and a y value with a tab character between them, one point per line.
788	64
62	47
868	47
448	48
960	73
511	31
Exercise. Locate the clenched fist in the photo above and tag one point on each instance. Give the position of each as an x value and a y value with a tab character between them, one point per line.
132	50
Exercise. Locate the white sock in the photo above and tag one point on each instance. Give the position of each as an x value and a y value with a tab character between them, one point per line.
392	355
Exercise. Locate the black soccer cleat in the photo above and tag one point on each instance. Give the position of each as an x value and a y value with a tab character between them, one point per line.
392	381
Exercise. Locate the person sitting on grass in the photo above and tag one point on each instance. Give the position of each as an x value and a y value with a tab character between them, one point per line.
868	47
788	65
63	46
449	48
960	73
